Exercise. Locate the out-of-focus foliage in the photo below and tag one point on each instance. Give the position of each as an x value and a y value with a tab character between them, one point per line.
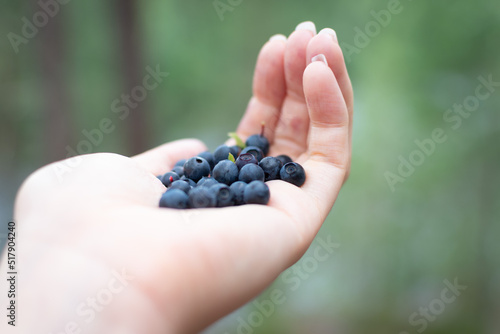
396	248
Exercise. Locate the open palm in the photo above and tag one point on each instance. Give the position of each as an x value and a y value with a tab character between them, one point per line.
186	268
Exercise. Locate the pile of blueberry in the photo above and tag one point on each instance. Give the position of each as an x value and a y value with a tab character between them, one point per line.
232	175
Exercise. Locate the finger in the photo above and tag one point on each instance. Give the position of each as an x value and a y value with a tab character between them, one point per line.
268	90
161	159
292	129
328	151
326	43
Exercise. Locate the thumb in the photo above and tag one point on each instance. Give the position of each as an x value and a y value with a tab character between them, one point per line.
328	147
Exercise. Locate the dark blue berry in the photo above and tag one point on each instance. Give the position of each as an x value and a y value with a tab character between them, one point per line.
225	172
284	159
255	151
207	182
235	150
168	178
174	198
221	153
209	157
294	173
189	181
195	168
260	142
202	197
238	188
271	167
251	172
244	159
179	170
180	162
224	195
257	192
181	185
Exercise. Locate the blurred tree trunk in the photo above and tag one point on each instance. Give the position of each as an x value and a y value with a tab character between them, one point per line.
133	72
57	122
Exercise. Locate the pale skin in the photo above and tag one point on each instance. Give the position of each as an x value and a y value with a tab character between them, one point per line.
189	267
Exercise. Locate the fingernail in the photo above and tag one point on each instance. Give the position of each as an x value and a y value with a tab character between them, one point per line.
321	57
308	25
330	32
278	37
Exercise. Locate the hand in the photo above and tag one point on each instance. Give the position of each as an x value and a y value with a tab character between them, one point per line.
99	234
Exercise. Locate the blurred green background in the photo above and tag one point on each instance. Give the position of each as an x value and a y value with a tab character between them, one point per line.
397	245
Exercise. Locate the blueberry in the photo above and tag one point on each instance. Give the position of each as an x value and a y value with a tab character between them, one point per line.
257	192
168	178
221	153
174	198
294	173
224	195
195	168
180	162
271	167
209	157
238	188
244	159
202	197
207	182
235	150
189	181
251	172
257	152
179	170
284	159
225	172
181	185
260	142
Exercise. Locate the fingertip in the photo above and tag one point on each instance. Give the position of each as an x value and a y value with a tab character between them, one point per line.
318	74
307	25
278	37
320	58
329	32
324	99
325	43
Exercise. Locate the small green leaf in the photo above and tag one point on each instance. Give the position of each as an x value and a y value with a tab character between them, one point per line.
238	140
231	157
